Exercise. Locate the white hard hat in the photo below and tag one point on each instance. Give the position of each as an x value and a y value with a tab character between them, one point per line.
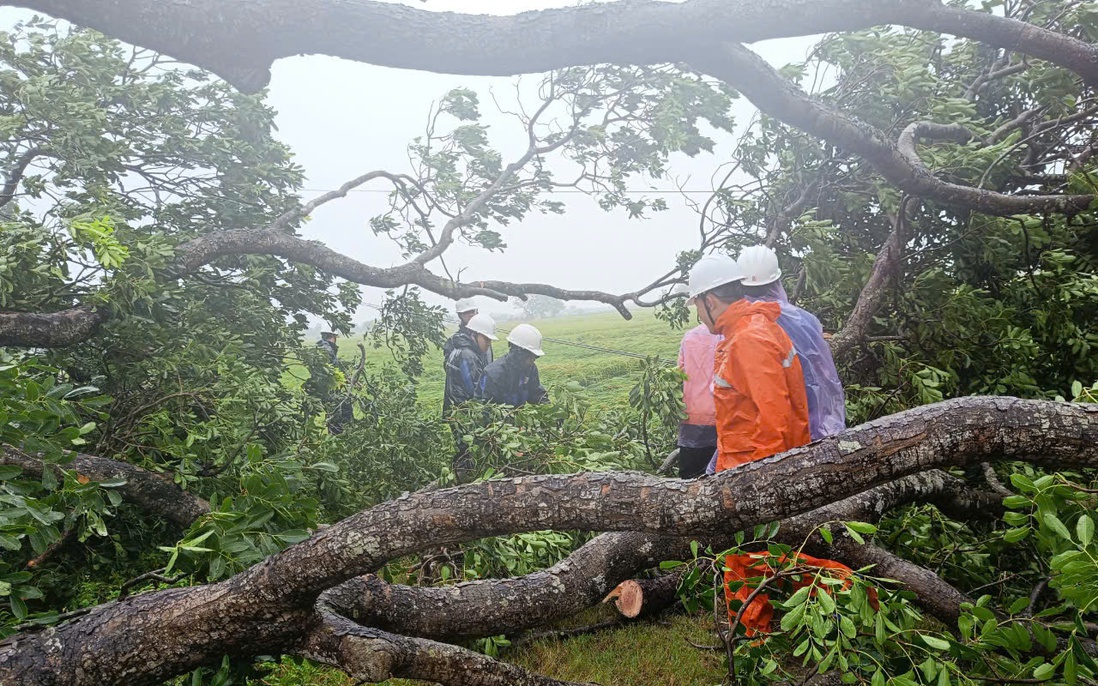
482	323
465	305
678	290
710	272
759	266
527	338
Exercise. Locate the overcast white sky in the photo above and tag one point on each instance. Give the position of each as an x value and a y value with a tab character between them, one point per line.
343	118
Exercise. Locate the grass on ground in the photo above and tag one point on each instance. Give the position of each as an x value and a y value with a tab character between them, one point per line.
640	654
637	654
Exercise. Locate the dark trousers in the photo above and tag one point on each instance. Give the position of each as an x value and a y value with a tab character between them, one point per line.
342	413
462	462
693	461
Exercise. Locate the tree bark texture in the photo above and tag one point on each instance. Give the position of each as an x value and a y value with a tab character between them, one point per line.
150	637
372	655
239	39
50	329
488	608
503	606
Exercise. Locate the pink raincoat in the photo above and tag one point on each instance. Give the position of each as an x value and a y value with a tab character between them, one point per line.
696	354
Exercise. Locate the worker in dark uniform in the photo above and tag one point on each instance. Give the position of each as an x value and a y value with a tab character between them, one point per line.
465	366
341	407
513	379
328	344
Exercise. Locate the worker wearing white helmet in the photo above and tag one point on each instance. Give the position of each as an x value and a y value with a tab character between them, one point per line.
758	390
758	386
826	401
466	361
513	379
714	281
711	276
465	308
464	364
763	390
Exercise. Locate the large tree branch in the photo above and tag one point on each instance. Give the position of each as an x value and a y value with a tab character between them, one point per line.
15	174
153	493
260	609
50	329
67	327
773	94
373	655
875	289
503	606
200	251
240	40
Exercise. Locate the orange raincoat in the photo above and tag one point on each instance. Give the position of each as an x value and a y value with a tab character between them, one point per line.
758	386
762	410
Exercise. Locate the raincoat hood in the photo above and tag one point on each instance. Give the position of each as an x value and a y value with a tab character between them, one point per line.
463	340
729	319
774	291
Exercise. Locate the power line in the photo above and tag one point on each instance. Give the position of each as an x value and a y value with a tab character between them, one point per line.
632	191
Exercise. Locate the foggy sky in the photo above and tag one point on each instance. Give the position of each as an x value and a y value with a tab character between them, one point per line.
343	118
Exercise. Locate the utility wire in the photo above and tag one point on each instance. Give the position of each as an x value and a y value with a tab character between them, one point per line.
631	191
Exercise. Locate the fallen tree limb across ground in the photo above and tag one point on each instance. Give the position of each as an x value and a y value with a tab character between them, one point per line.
273	607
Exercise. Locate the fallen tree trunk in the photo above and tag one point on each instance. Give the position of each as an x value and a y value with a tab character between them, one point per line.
372	655
639	598
266	609
476	609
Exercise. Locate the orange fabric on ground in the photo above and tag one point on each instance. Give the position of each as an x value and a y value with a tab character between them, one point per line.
759	615
758	386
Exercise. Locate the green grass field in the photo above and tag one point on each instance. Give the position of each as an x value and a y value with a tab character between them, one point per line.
606	376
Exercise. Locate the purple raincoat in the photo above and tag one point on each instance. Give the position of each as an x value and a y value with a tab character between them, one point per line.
826	400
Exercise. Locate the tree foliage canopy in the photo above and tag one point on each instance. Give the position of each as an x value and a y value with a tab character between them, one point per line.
928	186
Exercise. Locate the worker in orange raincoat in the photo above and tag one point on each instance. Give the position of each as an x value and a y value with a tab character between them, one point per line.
758	385
760	399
